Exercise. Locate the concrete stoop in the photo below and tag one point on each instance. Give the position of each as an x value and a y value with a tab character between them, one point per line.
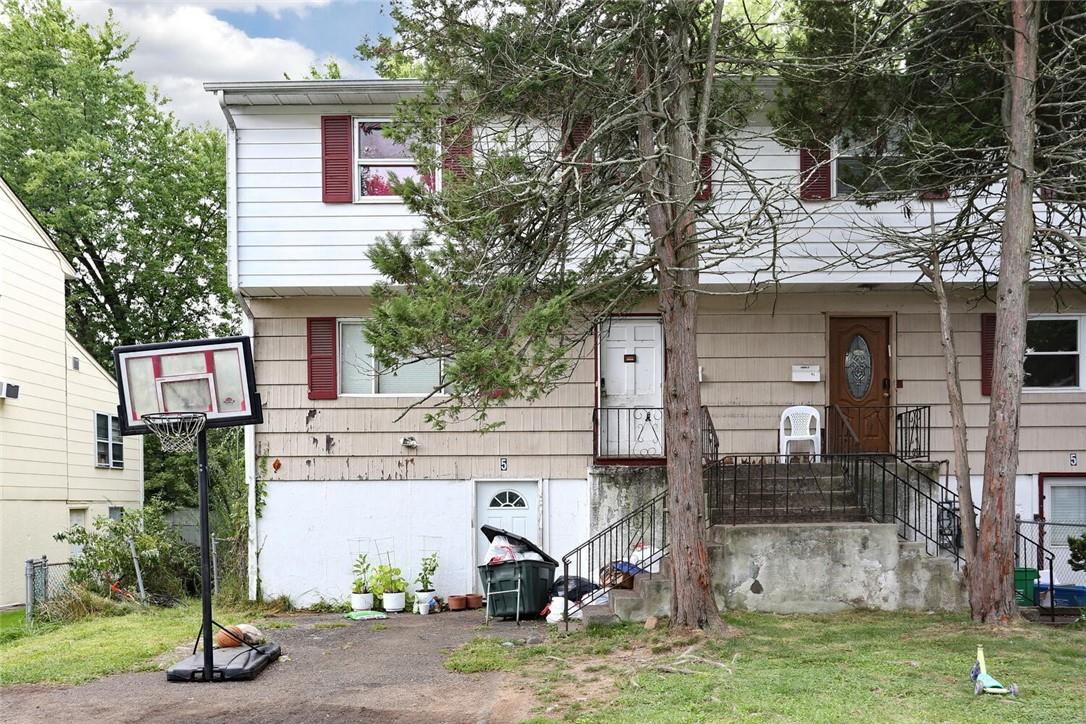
804	568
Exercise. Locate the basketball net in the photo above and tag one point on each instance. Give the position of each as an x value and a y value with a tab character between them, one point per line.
176	431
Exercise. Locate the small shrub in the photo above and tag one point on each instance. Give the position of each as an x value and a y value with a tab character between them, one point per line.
323	606
279	604
1078	552
169	566
387	579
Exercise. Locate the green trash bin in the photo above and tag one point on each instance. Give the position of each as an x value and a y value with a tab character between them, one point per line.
1024	583
500	580
500	584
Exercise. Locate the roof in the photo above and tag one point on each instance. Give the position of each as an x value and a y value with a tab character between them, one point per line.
40	232
376	91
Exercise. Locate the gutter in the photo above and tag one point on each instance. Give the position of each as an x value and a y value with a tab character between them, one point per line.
247	329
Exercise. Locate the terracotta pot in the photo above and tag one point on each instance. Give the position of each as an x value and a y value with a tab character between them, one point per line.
458	603
475	600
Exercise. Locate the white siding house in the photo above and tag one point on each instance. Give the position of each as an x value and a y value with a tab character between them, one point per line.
62	461
344	474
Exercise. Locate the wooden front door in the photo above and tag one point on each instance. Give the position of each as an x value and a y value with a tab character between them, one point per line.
860	378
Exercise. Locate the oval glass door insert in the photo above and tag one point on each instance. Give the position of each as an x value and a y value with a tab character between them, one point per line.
858	367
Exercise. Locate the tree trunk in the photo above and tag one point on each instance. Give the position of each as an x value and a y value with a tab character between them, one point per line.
957	415
991	593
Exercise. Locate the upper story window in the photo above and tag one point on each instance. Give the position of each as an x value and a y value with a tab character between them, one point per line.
863	168
108	443
1054	357
378	159
359	373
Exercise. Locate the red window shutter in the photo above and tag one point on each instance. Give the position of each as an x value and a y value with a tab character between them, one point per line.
814	174
935	195
987	352
578	134
705	166
321	350
336	171
1047	193
457	149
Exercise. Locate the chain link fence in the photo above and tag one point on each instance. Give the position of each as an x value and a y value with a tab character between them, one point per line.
44	581
1053	536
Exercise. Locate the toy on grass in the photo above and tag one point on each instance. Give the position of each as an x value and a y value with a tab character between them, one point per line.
984	682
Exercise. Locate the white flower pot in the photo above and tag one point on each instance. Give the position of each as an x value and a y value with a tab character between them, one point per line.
361	601
422	601
394	602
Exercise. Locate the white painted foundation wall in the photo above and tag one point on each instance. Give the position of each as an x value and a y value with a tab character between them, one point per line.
311	531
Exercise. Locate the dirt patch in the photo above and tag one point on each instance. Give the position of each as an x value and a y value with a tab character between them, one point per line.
359	672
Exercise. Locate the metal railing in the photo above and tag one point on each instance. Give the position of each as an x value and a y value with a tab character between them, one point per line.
628	432
1053	536
911	434
765	489
44	581
710	442
630	546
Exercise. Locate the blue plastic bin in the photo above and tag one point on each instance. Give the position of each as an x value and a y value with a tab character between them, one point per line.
1066	596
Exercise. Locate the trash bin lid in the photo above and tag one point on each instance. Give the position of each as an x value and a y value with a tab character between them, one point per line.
491	532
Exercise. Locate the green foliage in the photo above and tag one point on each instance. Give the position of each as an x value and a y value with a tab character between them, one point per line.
325	606
331	71
135	201
387	579
427	570
168	565
77	602
1078	552
361	571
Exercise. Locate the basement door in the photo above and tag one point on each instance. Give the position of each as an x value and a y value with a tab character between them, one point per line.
860	377
512	505
630	418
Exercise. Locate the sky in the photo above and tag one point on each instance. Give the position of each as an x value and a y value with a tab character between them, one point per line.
180	45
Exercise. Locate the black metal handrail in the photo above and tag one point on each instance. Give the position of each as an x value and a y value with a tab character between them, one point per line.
639	538
710	441
911	437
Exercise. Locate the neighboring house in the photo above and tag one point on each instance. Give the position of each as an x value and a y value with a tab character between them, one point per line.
62	460
345	475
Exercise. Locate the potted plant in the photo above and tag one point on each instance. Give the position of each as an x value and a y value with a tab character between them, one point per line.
388	582
361	598
425	593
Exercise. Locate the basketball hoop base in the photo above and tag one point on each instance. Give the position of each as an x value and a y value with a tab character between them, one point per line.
233	664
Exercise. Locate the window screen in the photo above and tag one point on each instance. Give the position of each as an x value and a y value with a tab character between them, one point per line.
1052	353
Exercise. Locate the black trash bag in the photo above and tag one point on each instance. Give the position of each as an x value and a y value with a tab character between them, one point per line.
578	588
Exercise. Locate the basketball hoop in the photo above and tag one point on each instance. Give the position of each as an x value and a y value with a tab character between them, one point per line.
176	431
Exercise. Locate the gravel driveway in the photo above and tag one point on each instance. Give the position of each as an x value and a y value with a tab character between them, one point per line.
327	673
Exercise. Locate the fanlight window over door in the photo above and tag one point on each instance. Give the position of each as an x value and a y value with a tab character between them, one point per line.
508	499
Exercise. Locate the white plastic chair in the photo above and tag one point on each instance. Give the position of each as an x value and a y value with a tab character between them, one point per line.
804	423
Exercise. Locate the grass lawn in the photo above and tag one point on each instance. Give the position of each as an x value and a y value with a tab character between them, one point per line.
75	652
857	666
12	624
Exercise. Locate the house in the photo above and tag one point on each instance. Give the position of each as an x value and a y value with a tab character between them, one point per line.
342	472
62	459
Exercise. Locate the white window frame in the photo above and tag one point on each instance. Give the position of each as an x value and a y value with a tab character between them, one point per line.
110	464
1081	352
356	167
374	374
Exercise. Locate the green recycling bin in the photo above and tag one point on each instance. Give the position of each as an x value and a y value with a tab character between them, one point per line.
1024	582
500	580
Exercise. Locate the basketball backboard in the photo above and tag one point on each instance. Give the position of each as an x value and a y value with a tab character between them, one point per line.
210	376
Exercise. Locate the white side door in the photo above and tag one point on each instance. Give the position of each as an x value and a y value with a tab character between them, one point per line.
1065	502
631	388
511	505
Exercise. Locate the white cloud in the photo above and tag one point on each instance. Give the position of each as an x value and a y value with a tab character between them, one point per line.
180	46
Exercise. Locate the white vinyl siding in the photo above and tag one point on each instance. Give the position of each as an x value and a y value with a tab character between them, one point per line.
358	373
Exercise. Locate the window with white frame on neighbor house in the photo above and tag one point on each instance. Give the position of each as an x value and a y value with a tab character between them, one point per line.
1054	352
108	443
379	159
359	373
865	167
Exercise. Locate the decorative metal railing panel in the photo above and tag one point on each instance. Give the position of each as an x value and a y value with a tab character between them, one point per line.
629	432
910	438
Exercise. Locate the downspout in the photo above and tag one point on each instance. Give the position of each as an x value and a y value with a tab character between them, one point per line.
246	329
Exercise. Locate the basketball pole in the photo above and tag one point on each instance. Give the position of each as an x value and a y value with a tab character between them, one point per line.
205	555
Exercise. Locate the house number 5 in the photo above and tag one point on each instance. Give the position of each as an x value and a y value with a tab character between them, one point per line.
1073	458
503	464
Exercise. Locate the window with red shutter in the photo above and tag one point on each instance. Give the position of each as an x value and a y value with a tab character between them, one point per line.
321	352
705	167
458	149
336	160
935	195
987	351
814	174
579	132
